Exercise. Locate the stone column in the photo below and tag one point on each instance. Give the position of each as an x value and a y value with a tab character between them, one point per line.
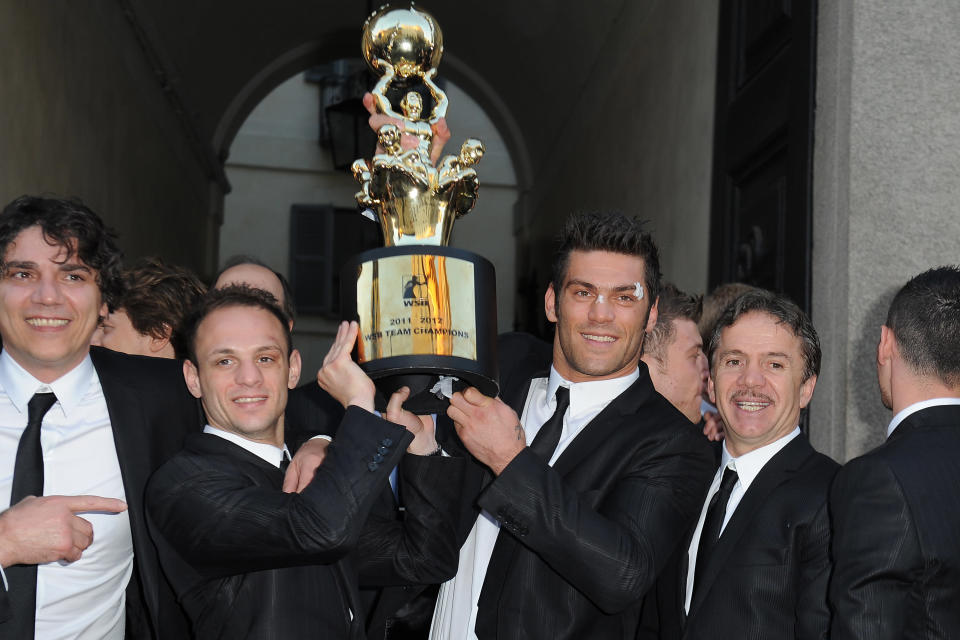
886	190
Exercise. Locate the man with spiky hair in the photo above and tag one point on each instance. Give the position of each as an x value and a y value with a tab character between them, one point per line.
896	509
584	477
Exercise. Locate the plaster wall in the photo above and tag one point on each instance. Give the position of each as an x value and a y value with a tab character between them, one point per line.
886	191
85	116
275	161
640	138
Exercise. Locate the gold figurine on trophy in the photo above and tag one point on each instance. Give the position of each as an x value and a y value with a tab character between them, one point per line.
415	202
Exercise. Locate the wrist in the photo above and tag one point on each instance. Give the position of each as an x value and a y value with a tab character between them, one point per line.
426	450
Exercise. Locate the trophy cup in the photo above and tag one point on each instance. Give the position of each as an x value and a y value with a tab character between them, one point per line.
427	311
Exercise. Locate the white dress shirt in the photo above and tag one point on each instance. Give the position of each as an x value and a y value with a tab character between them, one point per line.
747	466
83	599
455	617
917	406
266	452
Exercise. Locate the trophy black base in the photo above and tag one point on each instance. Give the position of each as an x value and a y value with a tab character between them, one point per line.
421	374
426	312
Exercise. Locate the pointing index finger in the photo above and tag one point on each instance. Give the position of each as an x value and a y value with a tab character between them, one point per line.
80	504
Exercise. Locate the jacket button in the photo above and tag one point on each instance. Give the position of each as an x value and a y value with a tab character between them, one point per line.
378	458
373	466
386	442
383	451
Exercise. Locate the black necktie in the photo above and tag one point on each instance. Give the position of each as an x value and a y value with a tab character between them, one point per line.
27	481
545	443
712	523
285	462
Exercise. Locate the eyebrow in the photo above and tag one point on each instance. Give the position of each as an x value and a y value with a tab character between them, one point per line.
30	264
769	354
232	350
590	285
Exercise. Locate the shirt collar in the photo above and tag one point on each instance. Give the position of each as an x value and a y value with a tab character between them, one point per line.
69	388
749	464
588	397
917	406
266	452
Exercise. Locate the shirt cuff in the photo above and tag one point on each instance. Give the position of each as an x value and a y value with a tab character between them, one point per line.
323	437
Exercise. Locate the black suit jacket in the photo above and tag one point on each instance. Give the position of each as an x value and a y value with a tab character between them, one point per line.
150	412
896	540
581	542
767	576
249	561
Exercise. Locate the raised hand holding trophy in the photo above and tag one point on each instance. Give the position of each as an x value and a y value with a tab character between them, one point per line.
427	312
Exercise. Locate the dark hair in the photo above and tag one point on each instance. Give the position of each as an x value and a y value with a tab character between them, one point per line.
785	312
608	231
715	302
925	319
234	295
158	298
235	261
73	226
674	305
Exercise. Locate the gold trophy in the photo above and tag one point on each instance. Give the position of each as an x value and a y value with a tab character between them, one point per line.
427	312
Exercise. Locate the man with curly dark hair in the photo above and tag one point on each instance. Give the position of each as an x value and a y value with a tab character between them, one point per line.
77	420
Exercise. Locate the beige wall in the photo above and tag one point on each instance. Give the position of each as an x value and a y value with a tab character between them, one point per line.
641	140
275	162
85	116
886	188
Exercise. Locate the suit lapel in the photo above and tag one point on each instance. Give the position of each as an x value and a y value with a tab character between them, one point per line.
133	454
780	468
624	409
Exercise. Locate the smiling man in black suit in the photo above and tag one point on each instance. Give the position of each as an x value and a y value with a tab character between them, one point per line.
110	421
896	509
250	561
584	478
757	562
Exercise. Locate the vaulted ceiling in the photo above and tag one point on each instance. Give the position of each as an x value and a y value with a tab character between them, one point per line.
524	61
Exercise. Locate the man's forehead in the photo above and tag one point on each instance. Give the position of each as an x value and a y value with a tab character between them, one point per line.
25	248
758	331
605	269
240	326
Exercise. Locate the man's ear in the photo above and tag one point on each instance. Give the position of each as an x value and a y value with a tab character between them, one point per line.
294	375
550	303
159	344
806	390
710	391
652	318
192	378
886	346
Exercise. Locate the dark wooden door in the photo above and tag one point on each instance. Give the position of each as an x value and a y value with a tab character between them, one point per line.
760	230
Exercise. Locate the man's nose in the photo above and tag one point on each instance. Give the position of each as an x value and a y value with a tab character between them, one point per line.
601	310
248	373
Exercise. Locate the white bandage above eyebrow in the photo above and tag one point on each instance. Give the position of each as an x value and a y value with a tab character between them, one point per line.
638	290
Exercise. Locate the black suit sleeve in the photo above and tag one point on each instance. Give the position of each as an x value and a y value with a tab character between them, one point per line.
420	548
614	552
876	552
813	612
222	523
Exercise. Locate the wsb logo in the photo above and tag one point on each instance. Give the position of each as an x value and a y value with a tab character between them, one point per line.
415	291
